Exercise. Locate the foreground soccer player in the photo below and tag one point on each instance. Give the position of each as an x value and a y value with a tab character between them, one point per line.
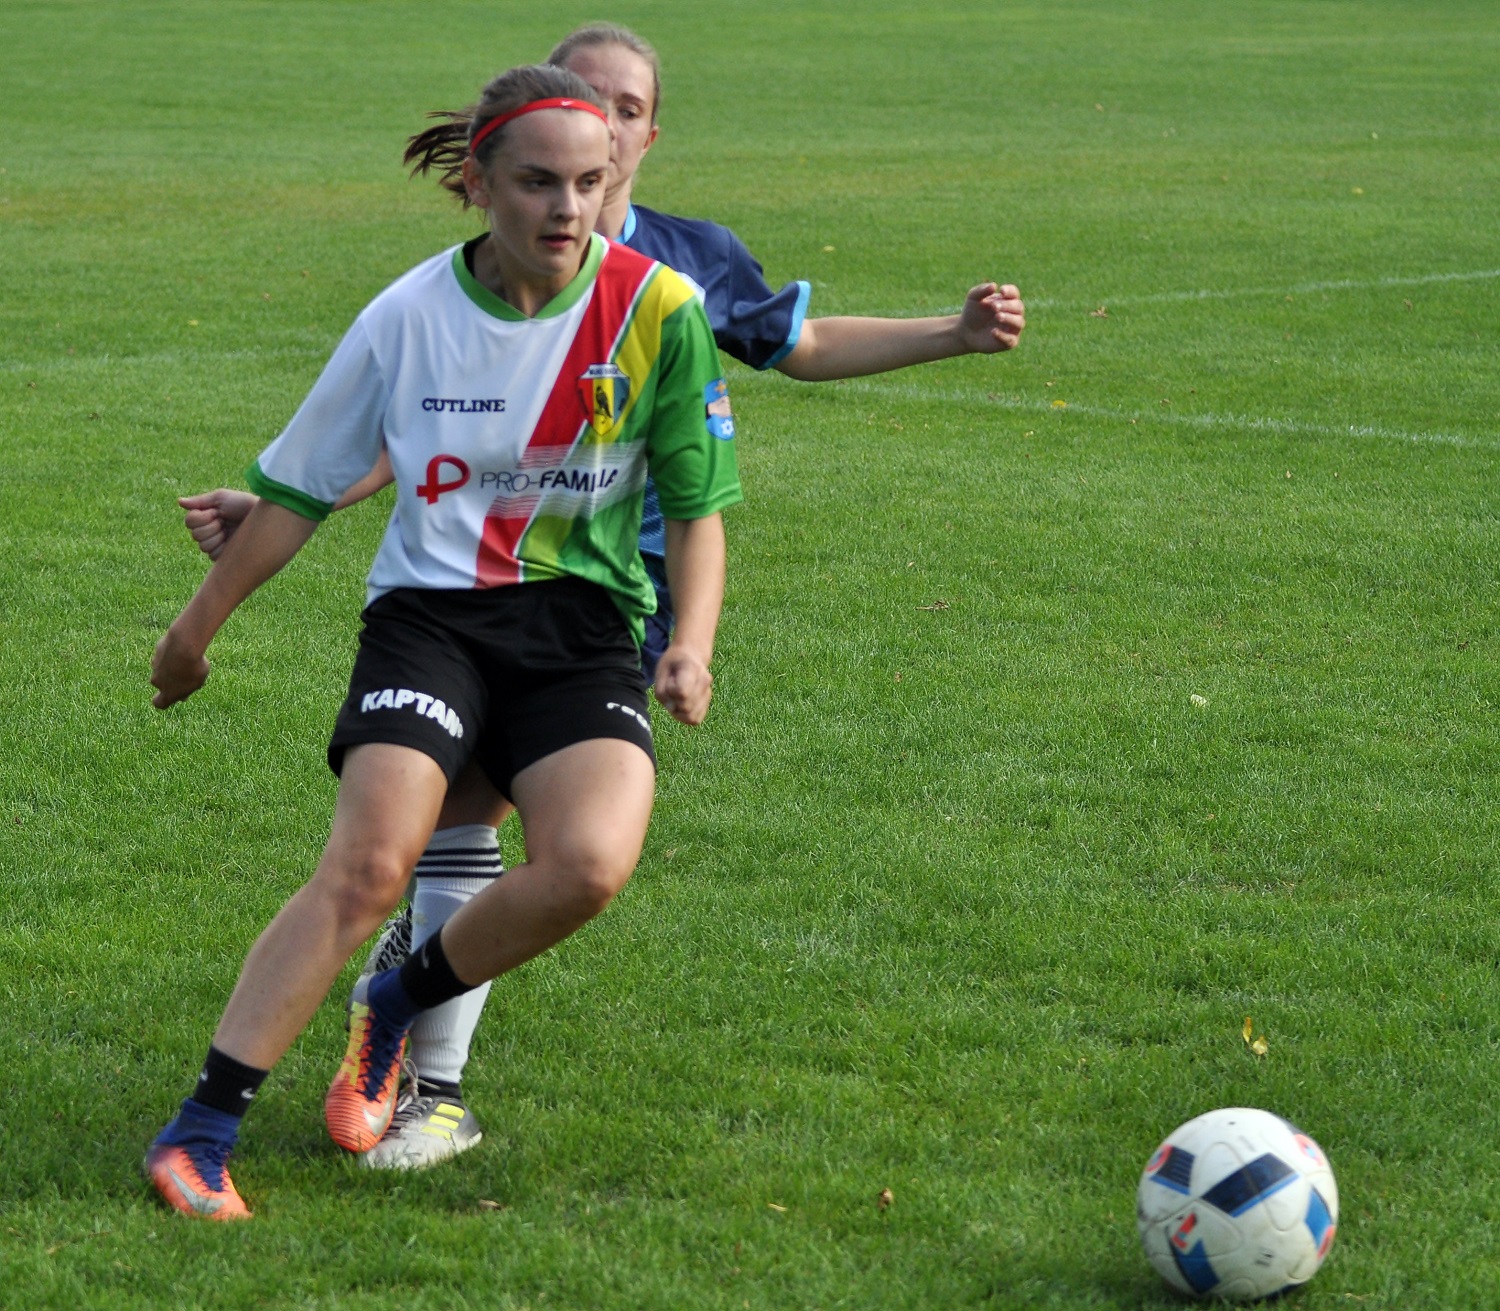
760	327
521	385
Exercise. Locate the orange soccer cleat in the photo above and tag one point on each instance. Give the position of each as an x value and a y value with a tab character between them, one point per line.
362	1097
193	1177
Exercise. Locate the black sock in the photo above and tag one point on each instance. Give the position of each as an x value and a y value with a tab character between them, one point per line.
428	978
227	1084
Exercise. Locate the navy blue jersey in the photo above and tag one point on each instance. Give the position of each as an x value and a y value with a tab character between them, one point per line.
754	324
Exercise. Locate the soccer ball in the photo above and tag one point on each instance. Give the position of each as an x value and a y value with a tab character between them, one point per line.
1237	1204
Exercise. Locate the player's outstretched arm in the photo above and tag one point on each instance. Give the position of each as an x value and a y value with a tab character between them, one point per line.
270	536
695	575
212	517
992	319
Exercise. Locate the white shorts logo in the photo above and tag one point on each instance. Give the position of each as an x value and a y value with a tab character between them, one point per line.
429	707
632	712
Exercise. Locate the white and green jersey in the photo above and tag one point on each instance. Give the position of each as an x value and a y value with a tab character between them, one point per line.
520	446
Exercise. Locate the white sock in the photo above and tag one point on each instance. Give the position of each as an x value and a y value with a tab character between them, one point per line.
458	863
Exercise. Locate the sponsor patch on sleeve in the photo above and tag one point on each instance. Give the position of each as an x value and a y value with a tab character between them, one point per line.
720	416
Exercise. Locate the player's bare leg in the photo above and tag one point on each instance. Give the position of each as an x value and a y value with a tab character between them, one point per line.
389	797
432	1120
584	811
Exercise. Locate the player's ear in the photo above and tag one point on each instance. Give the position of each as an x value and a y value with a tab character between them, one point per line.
650	140
475	186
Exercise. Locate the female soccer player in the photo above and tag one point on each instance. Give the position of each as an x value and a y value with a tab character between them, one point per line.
751	322
521	386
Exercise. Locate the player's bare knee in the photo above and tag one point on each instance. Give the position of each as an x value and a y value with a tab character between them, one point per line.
364	888
591	882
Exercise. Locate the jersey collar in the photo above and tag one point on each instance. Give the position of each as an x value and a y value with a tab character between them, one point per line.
561	303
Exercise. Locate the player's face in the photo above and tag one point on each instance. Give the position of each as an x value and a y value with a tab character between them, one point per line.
624	82
542	190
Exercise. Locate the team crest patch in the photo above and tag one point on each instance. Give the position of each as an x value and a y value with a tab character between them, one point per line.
720	416
603	391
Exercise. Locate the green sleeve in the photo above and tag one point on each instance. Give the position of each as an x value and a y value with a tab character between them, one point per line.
690	449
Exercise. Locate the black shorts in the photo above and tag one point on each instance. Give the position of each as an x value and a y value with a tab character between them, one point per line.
505	674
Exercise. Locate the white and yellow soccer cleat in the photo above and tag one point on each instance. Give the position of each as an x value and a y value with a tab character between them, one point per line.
426	1128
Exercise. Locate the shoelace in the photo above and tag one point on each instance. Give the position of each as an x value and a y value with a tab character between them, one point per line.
382	1041
408	1098
396	946
211	1157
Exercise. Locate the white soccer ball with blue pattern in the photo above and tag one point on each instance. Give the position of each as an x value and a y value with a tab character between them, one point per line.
1237	1204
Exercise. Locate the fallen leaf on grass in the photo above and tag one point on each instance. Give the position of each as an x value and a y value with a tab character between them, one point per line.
885	1199
936	605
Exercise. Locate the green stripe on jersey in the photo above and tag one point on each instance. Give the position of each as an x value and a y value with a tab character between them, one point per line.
268	489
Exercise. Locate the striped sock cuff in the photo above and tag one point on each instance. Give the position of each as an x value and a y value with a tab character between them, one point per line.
465	851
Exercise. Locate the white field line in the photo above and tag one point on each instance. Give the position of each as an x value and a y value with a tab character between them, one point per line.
182	359
1295	289
1154	298
977	401
1236	293
972	399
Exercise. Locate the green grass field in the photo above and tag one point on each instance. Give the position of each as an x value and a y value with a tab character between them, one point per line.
959	893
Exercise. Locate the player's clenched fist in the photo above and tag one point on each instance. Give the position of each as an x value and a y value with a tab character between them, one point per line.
177	670
993	317
212	517
684	687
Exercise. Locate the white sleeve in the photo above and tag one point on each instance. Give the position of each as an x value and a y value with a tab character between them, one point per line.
335	436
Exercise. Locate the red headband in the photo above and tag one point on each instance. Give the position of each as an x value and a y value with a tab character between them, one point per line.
557	102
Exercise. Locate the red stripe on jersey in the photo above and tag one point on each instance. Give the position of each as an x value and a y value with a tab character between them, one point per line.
619	280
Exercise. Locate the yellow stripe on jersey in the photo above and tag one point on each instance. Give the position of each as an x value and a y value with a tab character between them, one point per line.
639	346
